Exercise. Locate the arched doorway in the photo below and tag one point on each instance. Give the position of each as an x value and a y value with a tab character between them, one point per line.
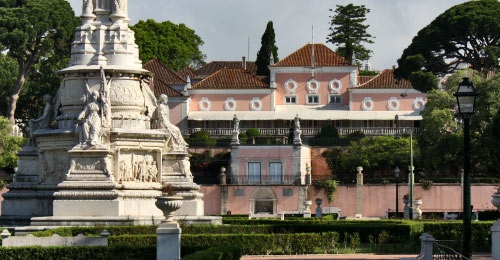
263	201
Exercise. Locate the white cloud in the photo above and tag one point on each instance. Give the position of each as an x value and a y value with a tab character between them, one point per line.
225	25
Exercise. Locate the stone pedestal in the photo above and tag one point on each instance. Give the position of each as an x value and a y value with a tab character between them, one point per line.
359	193
495	240
168	241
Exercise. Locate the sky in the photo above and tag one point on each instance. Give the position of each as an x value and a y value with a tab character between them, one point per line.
227	25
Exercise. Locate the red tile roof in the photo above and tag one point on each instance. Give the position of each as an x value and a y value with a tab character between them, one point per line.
162	72
231	79
364	79
159	87
214	66
386	80
186	72
323	56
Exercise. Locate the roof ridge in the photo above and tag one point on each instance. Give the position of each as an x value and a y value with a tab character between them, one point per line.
372	79
297	50
210	76
168	86
165	67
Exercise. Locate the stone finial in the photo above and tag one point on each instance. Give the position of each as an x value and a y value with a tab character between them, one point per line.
105	233
5	234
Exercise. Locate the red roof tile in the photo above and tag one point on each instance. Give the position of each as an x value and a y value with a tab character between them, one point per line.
160	87
214	66
162	72
364	79
186	72
386	80
231	79
323	56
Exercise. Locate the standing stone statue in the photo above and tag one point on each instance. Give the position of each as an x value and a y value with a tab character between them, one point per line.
176	141
43	122
120	6
296	130
88	7
89	128
236	131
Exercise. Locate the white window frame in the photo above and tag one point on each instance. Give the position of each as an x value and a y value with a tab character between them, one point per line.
291	96
334	95
251	176
313	95
273	178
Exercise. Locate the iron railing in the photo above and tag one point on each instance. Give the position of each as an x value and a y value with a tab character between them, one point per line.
369	131
443	252
257	179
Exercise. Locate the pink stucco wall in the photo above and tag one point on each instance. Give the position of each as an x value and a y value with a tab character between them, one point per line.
242	101
377	199
211	198
301	91
175	112
283	154
380	101
241	204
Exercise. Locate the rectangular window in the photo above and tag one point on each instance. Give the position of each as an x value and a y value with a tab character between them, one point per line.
290	99
275	172
313	99
335	99
239	192
287	192
254	172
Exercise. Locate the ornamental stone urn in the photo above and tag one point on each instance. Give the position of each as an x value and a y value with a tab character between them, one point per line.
169	204
307	205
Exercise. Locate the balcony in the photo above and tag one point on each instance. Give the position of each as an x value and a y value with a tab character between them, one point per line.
368	131
265	180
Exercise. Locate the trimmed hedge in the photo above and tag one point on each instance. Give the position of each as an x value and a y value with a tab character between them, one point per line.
220	253
96	231
452	230
78	252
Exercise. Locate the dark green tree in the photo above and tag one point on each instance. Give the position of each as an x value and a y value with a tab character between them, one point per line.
268	47
348	31
9	145
31	31
174	45
467	33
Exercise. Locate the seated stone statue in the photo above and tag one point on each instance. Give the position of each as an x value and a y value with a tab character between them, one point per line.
176	141
89	128
43	122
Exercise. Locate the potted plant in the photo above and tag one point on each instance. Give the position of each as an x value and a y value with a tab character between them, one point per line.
168	202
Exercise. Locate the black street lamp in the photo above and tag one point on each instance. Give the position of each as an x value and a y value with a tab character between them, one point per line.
466	97
396	174
396	121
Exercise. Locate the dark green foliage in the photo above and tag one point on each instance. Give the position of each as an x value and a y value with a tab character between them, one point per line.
201	139
268	47
219	253
328	186
368	73
251	132
328	131
175	45
356	135
452	230
9	145
32	32
333	158
467	33
79	253
96	231
348	31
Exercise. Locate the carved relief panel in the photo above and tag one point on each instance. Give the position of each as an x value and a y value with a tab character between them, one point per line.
126	93
55	165
137	166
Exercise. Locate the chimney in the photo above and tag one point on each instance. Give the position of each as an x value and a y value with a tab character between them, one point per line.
244	62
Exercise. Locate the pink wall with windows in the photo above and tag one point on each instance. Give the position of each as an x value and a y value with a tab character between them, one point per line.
301	91
380	100
265	155
242	101
241	204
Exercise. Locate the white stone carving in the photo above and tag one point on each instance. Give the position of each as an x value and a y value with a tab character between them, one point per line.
313	86
367	104
335	86
204	104
230	104
175	141
290	86
236	131
418	104
42	122
256	104
296	130
393	104
90	126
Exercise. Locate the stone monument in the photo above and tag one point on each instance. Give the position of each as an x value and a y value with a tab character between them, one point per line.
104	145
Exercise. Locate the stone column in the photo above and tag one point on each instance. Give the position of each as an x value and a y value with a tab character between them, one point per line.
359	192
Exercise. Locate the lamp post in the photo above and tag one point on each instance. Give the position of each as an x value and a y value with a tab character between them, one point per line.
466	97
396	174
396	121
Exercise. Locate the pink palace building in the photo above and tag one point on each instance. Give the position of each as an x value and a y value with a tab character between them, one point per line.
314	84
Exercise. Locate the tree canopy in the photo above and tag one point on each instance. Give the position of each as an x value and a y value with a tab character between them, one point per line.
174	45
465	34
268	47
348	31
30	32
9	145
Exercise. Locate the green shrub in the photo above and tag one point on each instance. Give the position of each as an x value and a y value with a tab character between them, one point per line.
426	184
200	135
452	230
219	253
79	253
328	131
96	231
251	132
